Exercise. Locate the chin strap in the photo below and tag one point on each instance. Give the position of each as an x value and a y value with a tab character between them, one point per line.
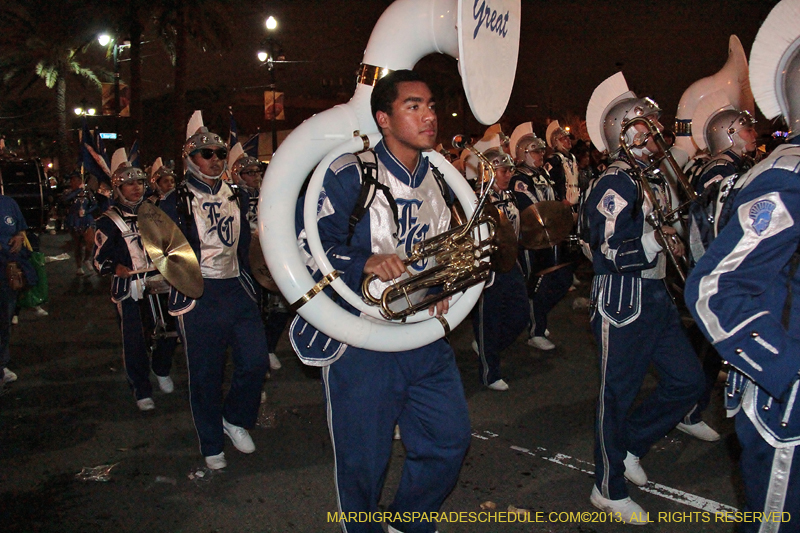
196	171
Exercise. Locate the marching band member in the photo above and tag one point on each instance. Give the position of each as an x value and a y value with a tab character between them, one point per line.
246	172
548	280
501	314
162	179
80	203
118	251
563	166
728	135
367	392
740	292
634	319
213	217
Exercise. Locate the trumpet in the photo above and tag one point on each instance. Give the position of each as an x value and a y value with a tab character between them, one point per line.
660	216
460	254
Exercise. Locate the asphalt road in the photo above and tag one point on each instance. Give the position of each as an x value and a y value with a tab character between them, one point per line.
532	445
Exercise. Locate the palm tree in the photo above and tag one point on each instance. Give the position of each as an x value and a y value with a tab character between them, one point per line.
209	27
39	43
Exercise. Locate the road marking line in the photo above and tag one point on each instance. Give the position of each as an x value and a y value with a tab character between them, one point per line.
669	493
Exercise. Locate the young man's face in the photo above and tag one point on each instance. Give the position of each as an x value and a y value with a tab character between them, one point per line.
251	176
413	122
209	167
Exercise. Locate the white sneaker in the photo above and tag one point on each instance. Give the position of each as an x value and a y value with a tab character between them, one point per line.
499	385
274	362
9	376
263	396
216	462
14	320
239	436
79	272
396	435
634	471
541	343
146	404
547	333
39	311
166	384
475	348
701	431
626	510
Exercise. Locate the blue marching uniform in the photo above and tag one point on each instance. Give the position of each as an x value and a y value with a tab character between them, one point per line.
635	323
742	293
213	219
12	222
117	242
502	311
548	274
80	204
367	392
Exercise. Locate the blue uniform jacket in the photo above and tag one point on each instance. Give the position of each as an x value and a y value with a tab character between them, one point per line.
739	294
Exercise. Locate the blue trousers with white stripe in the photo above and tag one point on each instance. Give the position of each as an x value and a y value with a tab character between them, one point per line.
367	394
770	480
498	319
655	337
224	316
134	350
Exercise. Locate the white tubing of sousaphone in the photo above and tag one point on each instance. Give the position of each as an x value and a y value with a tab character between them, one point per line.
406	32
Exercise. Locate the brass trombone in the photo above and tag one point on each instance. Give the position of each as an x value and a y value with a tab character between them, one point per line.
659	216
461	256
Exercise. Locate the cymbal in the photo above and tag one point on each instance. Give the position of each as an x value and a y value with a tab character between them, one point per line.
505	239
545	224
259	266
169	250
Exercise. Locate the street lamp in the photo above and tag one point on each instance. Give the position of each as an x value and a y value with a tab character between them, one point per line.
81	111
269	58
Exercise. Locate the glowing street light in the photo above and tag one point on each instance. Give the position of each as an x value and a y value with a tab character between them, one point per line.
104	39
262	56
271	23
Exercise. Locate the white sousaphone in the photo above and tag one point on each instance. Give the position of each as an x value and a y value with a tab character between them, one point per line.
484	37
733	78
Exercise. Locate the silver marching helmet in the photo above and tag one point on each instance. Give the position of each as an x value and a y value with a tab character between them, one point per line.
498	158
775	65
244	162
126	173
722	131
554	133
620	113
202	139
529	143
162	172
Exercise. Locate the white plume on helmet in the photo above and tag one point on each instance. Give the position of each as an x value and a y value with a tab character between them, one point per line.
124	172
775	65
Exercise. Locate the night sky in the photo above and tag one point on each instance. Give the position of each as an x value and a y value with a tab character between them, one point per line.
567	48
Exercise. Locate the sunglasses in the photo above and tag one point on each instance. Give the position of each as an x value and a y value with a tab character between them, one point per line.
250	173
208	153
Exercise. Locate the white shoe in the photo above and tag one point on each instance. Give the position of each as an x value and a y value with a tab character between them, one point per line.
547	333
9	376
626	509
475	347
146	404
239	436
274	362
166	384
701	431
39	311
541	343
498	385
14	320
79	272
634	471
396	435
263	396
216	462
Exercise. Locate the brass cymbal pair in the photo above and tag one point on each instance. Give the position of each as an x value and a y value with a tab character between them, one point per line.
545	224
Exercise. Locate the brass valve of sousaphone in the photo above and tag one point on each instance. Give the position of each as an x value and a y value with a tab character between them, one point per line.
460	255
660	217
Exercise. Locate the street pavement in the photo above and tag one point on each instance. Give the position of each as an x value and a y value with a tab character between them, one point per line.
532	446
